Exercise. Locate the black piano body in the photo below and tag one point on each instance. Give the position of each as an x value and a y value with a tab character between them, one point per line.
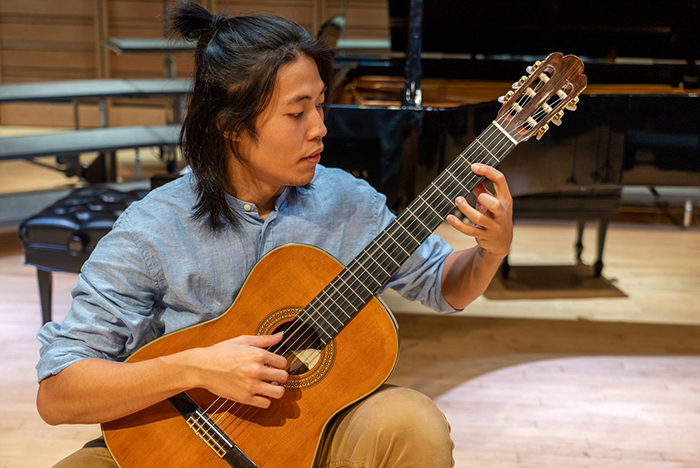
634	124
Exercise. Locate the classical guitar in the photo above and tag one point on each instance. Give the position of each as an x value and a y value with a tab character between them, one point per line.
340	342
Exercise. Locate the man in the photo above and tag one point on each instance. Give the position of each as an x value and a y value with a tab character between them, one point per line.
253	137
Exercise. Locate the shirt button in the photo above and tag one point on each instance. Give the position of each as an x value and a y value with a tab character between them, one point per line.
247	207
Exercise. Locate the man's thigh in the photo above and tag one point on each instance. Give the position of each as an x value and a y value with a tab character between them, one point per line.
393	427
94	454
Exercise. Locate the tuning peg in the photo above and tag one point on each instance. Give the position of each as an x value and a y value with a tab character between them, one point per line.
515	85
523	80
501	99
556	120
572	104
542	131
531	69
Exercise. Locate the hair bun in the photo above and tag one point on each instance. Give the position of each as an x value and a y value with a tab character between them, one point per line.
193	21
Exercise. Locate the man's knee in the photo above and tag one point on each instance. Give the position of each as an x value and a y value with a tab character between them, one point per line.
93	455
405	420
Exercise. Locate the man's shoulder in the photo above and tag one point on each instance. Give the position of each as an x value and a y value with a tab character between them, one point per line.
169	201
332	181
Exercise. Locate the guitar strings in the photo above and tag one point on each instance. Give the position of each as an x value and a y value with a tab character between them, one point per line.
329	295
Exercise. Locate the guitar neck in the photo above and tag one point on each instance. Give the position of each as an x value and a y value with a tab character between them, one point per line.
335	306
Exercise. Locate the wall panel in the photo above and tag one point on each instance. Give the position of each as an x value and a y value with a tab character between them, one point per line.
50	40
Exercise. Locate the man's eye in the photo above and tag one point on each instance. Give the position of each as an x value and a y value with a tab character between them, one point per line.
296	116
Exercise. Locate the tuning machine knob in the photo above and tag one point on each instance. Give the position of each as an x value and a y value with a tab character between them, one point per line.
571	105
507	97
542	131
532	68
556	120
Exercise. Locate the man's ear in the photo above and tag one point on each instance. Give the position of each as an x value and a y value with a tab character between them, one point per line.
229	135
232	136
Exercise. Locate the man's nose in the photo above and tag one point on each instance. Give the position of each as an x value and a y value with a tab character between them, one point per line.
318	130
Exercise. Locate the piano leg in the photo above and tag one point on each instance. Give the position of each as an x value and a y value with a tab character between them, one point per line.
602	230
45	284
505	268
581	223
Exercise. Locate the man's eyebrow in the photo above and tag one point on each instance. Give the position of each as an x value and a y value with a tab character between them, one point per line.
304	97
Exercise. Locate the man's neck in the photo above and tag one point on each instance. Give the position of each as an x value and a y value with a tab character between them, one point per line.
264	199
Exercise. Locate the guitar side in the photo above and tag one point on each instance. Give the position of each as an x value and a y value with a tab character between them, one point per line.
358	361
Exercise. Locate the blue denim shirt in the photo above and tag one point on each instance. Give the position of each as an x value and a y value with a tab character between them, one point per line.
159	270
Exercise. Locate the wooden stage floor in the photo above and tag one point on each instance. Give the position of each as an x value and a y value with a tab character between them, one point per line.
607	379
552	368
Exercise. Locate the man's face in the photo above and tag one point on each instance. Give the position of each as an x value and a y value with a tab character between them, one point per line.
290	130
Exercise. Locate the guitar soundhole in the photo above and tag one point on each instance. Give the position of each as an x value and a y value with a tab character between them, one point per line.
301	346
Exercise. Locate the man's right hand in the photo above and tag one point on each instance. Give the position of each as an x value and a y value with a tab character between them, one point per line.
241	369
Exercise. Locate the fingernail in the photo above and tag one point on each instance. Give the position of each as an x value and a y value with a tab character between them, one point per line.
476	166
450	219
460	200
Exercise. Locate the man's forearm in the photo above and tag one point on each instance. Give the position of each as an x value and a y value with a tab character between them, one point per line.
467	274
94	391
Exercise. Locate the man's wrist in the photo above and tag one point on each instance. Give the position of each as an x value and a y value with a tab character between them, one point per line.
183	369
491	256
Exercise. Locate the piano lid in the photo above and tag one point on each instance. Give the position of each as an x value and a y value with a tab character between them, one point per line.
592	28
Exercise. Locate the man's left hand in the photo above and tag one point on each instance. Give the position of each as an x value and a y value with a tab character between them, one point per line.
493	215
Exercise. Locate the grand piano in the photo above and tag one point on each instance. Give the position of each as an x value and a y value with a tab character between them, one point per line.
400	118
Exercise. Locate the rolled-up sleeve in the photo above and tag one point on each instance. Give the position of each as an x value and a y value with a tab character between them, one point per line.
112	310
420	277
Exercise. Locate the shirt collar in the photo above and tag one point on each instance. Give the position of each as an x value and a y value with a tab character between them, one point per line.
249	208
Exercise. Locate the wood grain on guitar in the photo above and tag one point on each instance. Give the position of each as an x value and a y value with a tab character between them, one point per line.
340	341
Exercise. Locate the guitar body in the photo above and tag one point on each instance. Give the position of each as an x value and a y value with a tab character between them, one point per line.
358	360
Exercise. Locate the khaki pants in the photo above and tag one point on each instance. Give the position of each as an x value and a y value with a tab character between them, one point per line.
392	428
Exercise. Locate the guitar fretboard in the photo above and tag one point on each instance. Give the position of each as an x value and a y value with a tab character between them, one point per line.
338	303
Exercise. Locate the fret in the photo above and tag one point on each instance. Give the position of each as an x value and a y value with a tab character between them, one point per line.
324	319
339	290
386	231
379	265
318	326
426	204
379	283
333	300
441	192
448	172
387	254
487	150
358	279
350	288
408	210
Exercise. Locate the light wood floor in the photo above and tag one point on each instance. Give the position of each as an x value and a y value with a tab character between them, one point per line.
597	382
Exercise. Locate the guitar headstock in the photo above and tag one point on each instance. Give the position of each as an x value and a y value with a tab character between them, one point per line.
541	96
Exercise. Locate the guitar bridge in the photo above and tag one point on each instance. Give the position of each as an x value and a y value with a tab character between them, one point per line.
204	427
208	431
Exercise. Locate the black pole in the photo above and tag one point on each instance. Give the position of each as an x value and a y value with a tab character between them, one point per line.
412	93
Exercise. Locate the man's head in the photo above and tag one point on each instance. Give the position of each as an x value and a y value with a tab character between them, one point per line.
239	62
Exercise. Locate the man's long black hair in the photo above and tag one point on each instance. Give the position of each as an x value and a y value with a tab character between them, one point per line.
236	65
